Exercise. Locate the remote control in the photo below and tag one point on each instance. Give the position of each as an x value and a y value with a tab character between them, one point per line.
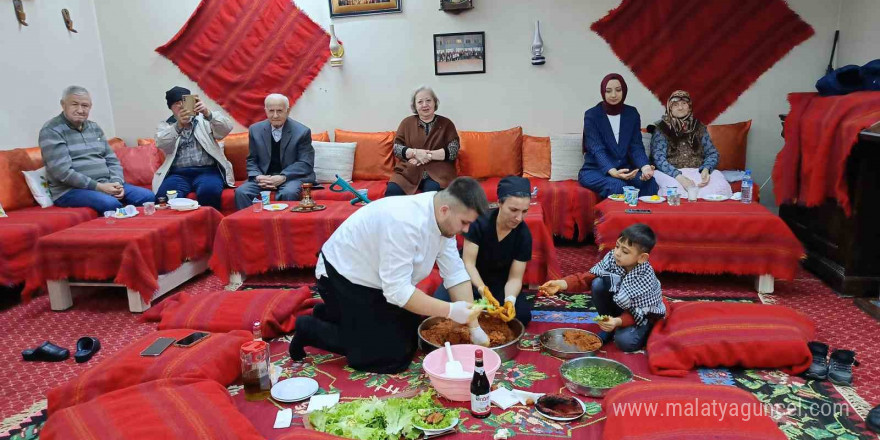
637	211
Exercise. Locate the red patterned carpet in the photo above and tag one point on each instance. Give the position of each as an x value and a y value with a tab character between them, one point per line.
104	313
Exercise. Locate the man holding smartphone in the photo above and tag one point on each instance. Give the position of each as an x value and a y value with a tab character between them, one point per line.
194	160
81	168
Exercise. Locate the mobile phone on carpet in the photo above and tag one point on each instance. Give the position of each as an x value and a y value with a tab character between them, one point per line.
157	347
191	339
637	211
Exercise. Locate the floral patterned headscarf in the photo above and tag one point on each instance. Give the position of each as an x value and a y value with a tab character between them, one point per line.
684	125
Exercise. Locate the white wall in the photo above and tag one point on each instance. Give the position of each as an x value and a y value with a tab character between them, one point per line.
859	32
40	60
388	55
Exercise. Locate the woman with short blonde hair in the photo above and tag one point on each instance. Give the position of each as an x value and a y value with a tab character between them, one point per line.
426	146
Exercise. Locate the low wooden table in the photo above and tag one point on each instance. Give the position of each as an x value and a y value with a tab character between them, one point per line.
148	255
710	238
249	242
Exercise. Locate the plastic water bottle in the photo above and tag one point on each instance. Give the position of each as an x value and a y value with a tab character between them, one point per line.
533	200
747	187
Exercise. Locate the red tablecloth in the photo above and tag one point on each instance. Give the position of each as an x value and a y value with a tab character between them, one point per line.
250	242
819	135
19	234
132	252
708	237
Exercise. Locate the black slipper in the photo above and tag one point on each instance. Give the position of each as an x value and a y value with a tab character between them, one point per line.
86	347
47	351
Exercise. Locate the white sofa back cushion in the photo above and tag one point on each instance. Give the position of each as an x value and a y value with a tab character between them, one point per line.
332	158
566	156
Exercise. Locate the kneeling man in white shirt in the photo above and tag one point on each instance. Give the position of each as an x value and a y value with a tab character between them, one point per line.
368	270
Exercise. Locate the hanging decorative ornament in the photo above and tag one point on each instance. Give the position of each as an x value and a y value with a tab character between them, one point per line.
456	6
336	49
67	21
538	46
19	12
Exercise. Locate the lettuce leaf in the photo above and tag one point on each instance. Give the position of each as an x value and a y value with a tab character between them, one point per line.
375	419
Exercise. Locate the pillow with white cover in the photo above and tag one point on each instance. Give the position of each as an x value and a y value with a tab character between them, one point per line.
39	186
332	158
566	156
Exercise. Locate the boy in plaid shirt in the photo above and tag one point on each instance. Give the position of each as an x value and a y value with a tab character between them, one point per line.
624	288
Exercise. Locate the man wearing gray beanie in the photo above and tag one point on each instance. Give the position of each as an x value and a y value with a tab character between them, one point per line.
194	160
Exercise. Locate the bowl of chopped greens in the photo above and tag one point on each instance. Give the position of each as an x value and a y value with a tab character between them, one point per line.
593	376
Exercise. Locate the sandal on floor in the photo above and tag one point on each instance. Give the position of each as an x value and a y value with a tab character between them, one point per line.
47	352
86	347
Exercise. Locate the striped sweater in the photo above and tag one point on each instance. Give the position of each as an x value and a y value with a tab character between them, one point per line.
77	159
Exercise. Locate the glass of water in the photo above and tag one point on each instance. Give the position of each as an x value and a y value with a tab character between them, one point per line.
149	208
110	217
672	196
258	205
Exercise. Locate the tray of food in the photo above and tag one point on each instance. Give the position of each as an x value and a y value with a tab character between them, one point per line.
569	343
503	336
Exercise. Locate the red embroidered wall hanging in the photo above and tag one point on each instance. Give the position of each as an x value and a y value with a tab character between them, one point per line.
239	51
713	49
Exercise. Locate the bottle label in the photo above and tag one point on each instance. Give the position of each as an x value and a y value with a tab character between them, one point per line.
480	404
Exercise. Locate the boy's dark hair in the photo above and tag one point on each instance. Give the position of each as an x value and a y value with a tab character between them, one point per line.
641	236
469	193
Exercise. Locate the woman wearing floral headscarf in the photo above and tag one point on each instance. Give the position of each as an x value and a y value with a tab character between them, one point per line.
614	155
683	151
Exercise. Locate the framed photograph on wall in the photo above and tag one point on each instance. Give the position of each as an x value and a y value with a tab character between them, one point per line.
459	53
347	8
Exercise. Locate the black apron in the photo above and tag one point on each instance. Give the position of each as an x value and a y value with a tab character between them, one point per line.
377	336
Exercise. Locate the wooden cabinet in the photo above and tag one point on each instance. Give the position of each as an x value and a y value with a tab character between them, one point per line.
845	251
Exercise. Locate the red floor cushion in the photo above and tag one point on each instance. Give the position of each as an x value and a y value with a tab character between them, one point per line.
662	410
180	408
223	311
216	358
719	334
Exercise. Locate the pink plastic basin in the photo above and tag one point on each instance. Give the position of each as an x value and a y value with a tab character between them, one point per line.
459	389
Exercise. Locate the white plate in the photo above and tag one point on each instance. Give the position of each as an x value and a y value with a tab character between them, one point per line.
182	203
715	197
125	216
275	207
616	197
647	199
436	430
565	419
294	389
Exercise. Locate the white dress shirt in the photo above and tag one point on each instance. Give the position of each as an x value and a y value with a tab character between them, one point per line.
392	244
276	133
614	120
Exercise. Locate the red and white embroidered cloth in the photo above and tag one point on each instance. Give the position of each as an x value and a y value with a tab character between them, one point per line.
132	252
250	242
239	51
708	237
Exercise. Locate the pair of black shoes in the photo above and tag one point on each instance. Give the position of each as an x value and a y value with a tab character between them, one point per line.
86	347
838	369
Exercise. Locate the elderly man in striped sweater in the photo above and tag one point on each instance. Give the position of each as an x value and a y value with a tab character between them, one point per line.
81	168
